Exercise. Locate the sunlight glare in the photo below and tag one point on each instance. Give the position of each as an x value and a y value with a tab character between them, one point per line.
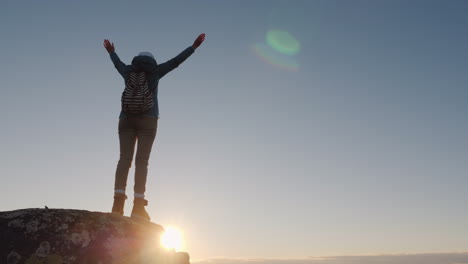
172	239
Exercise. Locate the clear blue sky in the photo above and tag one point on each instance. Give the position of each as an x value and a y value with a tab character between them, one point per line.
361	149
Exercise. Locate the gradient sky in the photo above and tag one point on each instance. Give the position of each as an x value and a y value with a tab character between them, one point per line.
361	148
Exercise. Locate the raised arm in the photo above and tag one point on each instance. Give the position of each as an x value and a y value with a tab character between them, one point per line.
173	63
119	65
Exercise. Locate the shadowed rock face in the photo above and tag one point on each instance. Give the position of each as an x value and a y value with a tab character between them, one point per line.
57	236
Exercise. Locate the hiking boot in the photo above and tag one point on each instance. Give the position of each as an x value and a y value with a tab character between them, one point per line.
119	202
138	210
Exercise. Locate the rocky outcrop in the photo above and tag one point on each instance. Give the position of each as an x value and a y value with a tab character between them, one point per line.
57	236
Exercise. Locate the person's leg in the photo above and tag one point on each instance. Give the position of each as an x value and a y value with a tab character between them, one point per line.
146	134
127	138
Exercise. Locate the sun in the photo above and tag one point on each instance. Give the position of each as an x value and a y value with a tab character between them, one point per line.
172	239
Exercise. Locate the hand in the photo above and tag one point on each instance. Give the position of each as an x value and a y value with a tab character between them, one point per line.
198	41
109	46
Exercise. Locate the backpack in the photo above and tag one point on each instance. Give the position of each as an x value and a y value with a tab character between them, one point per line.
137	97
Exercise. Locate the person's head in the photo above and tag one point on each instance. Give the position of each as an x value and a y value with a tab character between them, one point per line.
146	53
144	61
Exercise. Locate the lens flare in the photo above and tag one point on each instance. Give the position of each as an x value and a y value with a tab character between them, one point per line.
275	58
172	239
283	42
279	49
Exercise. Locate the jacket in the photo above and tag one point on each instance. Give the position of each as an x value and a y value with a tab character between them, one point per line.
154	72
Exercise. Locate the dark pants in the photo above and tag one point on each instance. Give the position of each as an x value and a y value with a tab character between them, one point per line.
132	128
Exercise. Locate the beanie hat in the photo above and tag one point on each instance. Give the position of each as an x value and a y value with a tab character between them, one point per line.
146	53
